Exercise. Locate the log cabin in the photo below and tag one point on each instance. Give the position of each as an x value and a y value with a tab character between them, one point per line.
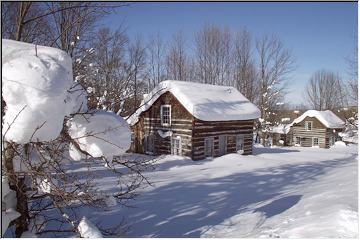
316	129
193	119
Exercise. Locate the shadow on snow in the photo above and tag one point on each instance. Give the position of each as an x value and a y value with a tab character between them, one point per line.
179	209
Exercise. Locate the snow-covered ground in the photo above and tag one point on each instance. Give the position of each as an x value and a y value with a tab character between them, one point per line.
277	192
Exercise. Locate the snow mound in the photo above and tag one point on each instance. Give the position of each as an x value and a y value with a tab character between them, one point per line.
339	144
6	217
35	84
241	226
28	234
88	230
100	134
328	118
204	101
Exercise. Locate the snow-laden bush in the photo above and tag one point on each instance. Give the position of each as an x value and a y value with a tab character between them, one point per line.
88	230
40	95
100	134
35	87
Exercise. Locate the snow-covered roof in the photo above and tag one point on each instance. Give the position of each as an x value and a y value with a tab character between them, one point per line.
204	101
328	118
281	128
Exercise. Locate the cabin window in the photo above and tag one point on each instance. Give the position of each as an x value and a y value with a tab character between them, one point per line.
176	145
308	125
298	140
331	141
165	114
240	143
315	142
209	147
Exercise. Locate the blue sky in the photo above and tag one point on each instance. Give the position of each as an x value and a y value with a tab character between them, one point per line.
320	35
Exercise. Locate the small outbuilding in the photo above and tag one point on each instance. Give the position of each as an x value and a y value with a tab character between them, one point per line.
280	135
193	119
316	129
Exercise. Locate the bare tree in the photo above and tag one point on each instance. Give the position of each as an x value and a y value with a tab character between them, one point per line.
275	64
136	67
213	47
52	24
245	79
176	59
325	91
156	61
102	71
352	63
20	22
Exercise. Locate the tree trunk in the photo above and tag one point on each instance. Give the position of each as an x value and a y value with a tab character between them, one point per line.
17	184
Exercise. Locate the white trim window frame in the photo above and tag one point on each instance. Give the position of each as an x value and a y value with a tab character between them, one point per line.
209	146
165	115
307	124
317	142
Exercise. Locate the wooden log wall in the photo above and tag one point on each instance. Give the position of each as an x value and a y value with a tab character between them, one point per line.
150	123
214	129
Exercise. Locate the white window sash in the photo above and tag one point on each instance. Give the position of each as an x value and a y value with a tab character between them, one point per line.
162	115
307	125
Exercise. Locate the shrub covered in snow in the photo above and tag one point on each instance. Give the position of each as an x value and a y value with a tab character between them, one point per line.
40	96
35	82
100	133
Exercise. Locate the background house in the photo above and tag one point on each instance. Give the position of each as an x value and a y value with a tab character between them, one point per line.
316	128
193	119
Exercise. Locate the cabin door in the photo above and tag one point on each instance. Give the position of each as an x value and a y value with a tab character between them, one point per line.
240	143
176	145
222	145
149	144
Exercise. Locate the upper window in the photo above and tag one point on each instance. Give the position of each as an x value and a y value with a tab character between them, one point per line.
165	114
308	125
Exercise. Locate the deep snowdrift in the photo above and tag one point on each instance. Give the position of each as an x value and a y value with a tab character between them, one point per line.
277	192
